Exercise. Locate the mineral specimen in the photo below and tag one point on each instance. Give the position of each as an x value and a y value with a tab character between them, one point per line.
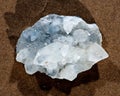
60	46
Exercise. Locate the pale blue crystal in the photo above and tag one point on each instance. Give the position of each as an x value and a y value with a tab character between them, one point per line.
57	44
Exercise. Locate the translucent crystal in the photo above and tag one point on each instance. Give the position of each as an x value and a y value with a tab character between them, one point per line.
60	46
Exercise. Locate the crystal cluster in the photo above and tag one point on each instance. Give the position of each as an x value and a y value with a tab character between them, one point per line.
60	46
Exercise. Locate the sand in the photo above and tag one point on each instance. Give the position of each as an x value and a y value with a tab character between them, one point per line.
102	80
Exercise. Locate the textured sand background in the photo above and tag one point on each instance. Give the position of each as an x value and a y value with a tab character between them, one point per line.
15	15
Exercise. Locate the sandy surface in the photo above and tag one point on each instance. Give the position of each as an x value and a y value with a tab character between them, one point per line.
102	80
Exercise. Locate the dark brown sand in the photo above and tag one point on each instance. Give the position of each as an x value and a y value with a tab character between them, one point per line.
102	80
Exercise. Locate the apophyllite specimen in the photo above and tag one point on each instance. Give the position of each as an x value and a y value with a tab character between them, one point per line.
60	46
